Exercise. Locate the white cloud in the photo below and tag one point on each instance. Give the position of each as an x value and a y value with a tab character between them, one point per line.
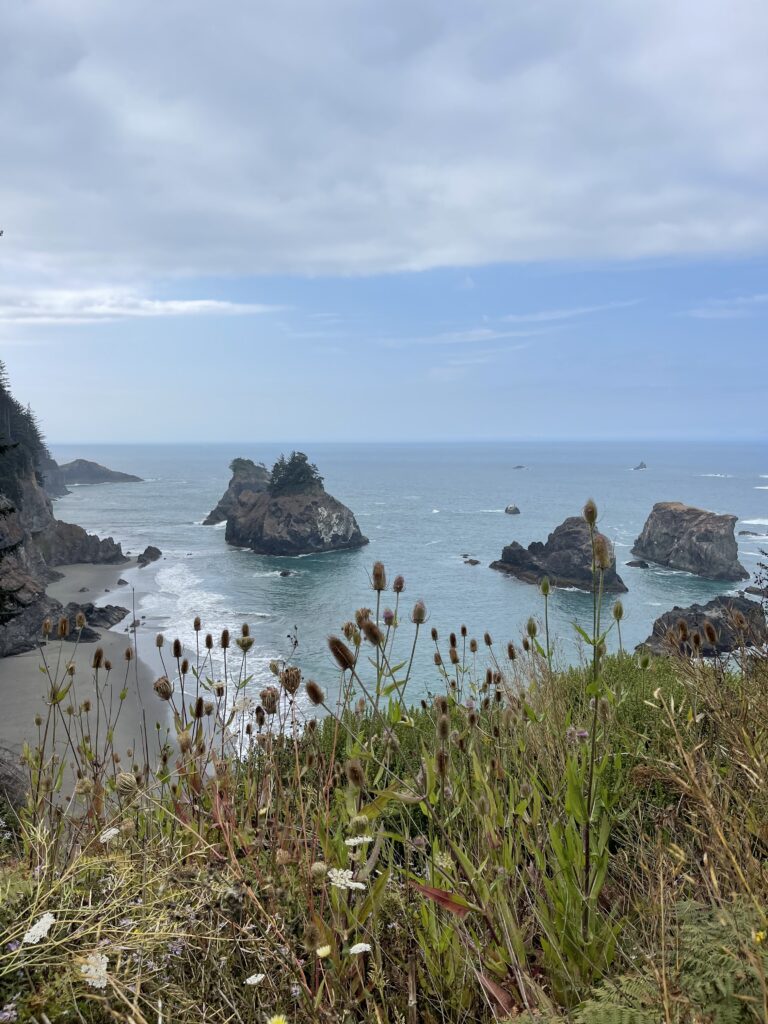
730	309
150	140
61	306
547	315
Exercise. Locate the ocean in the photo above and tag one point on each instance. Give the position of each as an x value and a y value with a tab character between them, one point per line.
424	507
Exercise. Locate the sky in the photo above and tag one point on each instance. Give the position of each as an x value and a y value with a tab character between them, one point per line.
356	221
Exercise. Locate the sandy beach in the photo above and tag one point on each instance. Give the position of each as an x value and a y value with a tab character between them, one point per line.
25	678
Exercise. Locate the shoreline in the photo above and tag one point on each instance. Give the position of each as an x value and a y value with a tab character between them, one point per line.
24	679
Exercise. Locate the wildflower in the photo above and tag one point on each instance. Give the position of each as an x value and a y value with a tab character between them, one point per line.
39	930
255	979
108	835
360	947
389	617
318	870
398	584
419	613
358	840
94	970
278	1018
322	952
341	878
9	1014
760	937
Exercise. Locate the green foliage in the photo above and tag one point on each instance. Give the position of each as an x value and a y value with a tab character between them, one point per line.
21	440
245	466
294	475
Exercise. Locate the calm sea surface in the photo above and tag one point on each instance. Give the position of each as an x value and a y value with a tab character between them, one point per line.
423	508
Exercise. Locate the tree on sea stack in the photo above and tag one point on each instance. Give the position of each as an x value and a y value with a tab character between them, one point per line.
296	475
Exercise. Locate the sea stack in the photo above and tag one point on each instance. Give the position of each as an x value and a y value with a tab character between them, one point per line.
682	537
294	516
565	559
246	476
722	625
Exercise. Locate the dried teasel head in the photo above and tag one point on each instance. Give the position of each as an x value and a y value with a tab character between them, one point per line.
362	615
177	650
443	727
315	693
199	708
80	621
63	629
269	698
344	658
590	512
184	666
602	552
159	640
224	642
433	634
473	645
710	633
419	613
98	658
355	772
454	655
163	688
511	651
290	679
208	642
245	629
487	639
46	627
388	617
398	584
378	577
372	633
197	624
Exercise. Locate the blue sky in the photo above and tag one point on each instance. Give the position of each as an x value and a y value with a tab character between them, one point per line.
347	222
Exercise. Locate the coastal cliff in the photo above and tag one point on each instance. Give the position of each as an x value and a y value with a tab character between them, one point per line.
565	559
682	537
294	516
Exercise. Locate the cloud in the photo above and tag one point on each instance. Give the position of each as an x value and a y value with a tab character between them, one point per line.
470	336
730	309
547	315
60	306
143	141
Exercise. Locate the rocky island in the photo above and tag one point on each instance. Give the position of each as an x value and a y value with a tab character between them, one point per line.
294	515
565	559
682	537
81	471
718	627
246	476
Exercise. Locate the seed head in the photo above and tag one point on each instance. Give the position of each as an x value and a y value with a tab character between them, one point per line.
269	697
128	654
602	551
443	727
63	629
378	577
618	611
355	773
163	688
159	640
208	708
531	628
224	639
46	627
544	586
362	615
98	658
590	512
473	645
177	649
80	620
185	741
419	613
389	618
208	642
315	693
398	584
710	633
197	624
345	659
184	666
372	633
682	630
126	784
433	634
487	639
199	707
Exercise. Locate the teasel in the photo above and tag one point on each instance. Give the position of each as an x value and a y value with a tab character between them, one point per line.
290	679
473	645
245	643
219	688
311	726
443	727
438	658
463	632
398	584
378	577
351	632
452	640
177	649
269	699
98	658
682	630
441	763
345	659
601	548
63	629
208	708
248	728
531	628
199	708
488	678
544	587
208	642
46	627
526	644
739	622
224	639
487	639
260	716
197	624
590	512
315	693
710	633
163	688
372	633
362	615
107	665
388	617
696	640
128	654
511	651
185	741
433	634
184	666
618	611
419	613
159	641
355	773
472	719
80	620
85	707
454	655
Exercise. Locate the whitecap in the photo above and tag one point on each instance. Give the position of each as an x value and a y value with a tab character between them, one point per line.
755	522
761	487
719	476
435	510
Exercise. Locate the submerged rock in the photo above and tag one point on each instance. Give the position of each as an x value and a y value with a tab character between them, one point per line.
512	510
682	537
640	465
637	563
246	476
565	559
149	554
737	622
81	471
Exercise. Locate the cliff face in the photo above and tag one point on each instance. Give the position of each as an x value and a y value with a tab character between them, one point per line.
247	476
23	601
293	524
565	559
682	537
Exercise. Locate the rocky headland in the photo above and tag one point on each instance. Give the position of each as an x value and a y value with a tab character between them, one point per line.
722	625
565	559
81	471
247	476
295	515
693	540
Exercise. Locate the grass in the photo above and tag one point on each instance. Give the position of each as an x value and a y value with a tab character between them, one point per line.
532	843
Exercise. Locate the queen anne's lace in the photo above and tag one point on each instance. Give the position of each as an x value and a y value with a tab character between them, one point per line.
255	979
360	947
342	879
39	929
94	970
358	840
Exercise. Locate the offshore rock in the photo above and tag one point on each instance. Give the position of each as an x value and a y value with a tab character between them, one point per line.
682	537
512	510
67	544
246	476
52	477
81	471
565	559
737	621
149	554
293	524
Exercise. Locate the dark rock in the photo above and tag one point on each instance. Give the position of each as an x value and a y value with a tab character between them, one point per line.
13	783
293	522
53	480
751	533
723	613
99	616
471	561
83	590
565	559
512	510
757	591
149	554
519	467
122	583
637	563
640	465
682	537
81	471
67	544
246	476
287	572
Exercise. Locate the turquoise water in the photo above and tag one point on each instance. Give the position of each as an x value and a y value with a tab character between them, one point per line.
423	507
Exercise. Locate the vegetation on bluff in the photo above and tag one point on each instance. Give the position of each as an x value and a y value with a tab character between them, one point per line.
294	475
525	844
21	440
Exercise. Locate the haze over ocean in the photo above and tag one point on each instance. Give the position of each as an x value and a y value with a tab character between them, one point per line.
423	507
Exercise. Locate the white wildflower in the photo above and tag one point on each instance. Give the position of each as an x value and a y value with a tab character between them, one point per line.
323	951
360	947
94	970
358	840
255	979
108	835
39	930
342	879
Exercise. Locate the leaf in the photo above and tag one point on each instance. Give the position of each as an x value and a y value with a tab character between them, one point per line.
447	900
499	997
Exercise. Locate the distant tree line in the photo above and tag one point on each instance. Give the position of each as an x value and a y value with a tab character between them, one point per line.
22	445
294	475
